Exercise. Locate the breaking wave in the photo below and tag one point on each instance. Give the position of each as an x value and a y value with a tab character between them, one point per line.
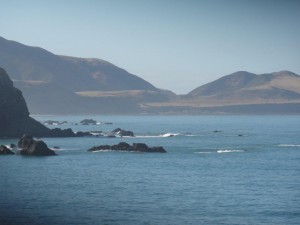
288	145
229	151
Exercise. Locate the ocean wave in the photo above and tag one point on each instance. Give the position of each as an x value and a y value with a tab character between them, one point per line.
106	150
204	152
229	151
166	135
109	150
288	145
170	134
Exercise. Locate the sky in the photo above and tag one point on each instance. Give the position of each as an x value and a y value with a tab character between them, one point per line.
175	45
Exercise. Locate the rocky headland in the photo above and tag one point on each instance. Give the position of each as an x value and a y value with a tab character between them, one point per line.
14	115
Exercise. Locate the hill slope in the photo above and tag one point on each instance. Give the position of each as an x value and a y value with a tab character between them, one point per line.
244	87
32	63
53	84
239	93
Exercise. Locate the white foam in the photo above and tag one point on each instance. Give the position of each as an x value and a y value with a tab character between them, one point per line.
288	145
147	136
64	149
169	134
203	152
229	151
106	150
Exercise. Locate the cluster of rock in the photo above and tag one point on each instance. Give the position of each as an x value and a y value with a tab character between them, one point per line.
29	146
123	146
15	121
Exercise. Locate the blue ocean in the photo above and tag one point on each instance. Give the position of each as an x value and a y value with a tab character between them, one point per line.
217	170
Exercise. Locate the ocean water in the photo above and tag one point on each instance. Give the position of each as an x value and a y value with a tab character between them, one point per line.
248	173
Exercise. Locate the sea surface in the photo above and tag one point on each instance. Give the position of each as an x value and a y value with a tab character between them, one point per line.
246	173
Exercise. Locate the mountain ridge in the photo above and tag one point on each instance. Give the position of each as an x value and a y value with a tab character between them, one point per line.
24	62
243	85
56	84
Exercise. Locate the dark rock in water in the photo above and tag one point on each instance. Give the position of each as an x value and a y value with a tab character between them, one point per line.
56	147
217	131
88	122
123	146
5	151
29	146
57	132
125	133
141	147
83	134
240	135
51	122
13	146
25	141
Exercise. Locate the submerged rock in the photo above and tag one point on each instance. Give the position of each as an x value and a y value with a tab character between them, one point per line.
123	146
29	146
5	151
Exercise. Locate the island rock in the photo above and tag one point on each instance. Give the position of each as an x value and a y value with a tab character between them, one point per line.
88	122
122	132
5	151
123	146
29	146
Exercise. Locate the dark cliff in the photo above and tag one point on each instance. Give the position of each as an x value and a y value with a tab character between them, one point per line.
14	114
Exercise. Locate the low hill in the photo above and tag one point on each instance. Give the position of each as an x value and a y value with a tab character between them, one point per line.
239	93
244	87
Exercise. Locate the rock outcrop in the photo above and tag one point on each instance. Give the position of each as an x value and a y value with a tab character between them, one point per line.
122	132
29	146
123	146
14	115
88	122
5	151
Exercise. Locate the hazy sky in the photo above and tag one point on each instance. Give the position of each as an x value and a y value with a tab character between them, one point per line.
175	45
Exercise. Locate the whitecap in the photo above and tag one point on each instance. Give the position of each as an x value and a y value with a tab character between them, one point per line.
229	151
169	134
147	136
203	152
106	150
288	145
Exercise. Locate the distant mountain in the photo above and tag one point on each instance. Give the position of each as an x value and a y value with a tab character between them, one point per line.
245	87
239	93
76	74
54	84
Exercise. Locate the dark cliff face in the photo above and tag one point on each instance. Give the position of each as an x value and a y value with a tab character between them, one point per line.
14	114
